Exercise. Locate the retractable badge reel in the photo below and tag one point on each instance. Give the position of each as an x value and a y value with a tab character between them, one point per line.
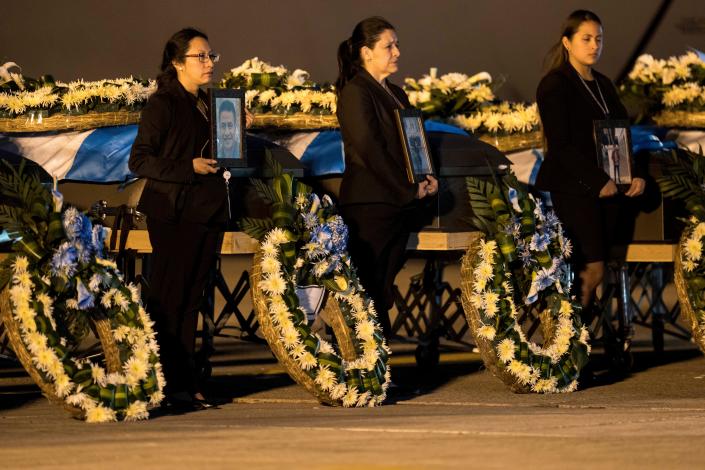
226	177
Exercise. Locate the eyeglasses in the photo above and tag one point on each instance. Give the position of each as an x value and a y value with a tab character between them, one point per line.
203	57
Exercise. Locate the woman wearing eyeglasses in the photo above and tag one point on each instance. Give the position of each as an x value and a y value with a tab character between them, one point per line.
375	195
185	203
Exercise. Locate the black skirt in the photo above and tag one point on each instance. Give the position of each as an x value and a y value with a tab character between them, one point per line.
599	229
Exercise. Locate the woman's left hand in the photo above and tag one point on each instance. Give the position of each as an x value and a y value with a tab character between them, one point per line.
432	187
637	187
249	118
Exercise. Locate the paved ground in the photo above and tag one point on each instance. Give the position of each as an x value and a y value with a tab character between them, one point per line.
458	417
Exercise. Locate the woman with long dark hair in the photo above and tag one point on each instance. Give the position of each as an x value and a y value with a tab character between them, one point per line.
571	96
376	198
185	203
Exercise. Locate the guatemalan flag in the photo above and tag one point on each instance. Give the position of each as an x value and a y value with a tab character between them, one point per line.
101	155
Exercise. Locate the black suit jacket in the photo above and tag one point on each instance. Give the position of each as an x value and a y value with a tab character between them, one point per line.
171	134
374	161
567	112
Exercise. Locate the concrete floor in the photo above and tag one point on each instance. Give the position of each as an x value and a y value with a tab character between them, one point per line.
459	416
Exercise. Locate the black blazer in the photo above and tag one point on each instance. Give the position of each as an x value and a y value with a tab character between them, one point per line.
171	134
567	112
374	159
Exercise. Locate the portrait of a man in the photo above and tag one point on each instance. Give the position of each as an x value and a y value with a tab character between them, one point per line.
228	128
420	158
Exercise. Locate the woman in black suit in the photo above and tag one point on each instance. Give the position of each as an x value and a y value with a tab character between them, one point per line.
185	203
570	97
376	198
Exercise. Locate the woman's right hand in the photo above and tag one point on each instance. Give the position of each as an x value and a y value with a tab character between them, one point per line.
609	189
422	189
204	166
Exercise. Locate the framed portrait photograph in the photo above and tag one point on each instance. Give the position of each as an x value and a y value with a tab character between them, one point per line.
227	112
614	150
415	144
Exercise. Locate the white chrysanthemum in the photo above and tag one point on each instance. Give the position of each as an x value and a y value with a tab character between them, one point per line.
487	331
290	338
307	361
136	411
121	301
484	272
521	371
274	284
363	399
545	385
490	302
35	341
63	385
20	264
325	347
98	374
156	398
506	350
339	391
270	265
135	370
100	414
693	249
365	330
79	400
325	378
134	293
350	398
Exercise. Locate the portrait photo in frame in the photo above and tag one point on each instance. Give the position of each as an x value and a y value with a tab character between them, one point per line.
614	150
417	152
227	111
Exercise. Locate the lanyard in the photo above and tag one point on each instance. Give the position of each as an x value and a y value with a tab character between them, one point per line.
384	85
603	105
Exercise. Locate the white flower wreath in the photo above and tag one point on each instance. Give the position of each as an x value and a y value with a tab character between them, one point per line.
60	283
524	259
308	246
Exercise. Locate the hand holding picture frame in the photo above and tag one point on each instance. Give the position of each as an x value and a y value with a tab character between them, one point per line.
417	154
614	150
227	119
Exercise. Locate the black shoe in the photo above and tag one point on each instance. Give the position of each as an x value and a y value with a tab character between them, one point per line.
203	404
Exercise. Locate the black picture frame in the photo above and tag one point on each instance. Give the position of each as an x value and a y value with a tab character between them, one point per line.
227	122
613	142
417	152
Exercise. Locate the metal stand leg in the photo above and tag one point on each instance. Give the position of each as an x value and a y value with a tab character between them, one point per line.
626	331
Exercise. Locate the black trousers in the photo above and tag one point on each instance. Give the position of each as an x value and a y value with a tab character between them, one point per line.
378	234
183	254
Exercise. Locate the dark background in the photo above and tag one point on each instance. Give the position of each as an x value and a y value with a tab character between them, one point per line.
94	40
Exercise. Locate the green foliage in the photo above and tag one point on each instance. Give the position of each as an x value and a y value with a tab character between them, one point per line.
684	179
280	192
256	228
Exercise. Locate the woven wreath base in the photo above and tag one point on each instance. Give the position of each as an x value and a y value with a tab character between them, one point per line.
684	300
101	327
300	121
680	119
66	122
514	142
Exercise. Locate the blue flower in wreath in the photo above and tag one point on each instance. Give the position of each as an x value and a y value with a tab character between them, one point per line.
86	299
340	234
310	220
73	223
98	240
323	236
540	241
63	263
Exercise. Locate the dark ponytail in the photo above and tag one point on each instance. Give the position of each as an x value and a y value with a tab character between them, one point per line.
174	51
557	55
366	33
